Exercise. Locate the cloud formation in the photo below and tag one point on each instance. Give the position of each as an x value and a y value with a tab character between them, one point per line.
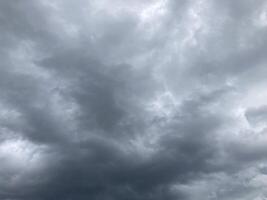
139	100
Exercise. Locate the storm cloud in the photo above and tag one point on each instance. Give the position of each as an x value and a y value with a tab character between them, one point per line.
136	100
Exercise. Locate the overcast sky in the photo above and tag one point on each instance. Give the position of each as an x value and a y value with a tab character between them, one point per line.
133	99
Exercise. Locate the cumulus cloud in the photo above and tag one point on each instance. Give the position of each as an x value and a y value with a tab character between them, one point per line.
157	99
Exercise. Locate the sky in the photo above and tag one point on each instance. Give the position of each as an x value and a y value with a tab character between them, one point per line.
133	100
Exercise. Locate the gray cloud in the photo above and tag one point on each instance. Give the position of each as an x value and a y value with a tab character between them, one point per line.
133	100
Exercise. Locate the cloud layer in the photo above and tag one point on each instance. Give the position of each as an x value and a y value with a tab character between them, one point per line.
138	100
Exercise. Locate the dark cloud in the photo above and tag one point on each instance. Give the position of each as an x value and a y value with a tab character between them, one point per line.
256	116
133	100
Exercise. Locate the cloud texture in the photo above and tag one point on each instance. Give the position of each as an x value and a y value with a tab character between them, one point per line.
136	100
